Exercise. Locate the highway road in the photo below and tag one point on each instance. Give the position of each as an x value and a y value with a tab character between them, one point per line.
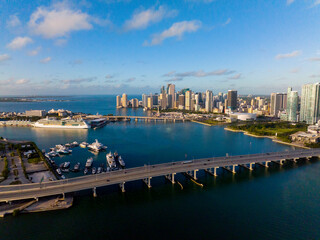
36	190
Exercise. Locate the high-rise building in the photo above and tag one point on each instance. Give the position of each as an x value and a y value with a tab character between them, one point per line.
181	101
155	99
144	100
124	100
169	101
209	101
118	99
232	99
163	101
171	91
150	102
162	90
188	100
278	103
292	105
310	103
135	103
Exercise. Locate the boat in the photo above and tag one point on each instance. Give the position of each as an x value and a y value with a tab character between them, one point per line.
76	167
58	171
52	153
85	171
121	162
110	160
66	170
75	144
89	162
93	170
99	170
63	177
66	165
63	150
61	165
62	123
83	144
96	146
98	123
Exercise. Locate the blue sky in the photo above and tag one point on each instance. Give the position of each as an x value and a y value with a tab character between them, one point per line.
133	46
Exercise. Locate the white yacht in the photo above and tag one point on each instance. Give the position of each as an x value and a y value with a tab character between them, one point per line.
89	162
83	144
96	146
121	162
110	160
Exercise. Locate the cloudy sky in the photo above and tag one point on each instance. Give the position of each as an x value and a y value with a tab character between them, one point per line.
134	46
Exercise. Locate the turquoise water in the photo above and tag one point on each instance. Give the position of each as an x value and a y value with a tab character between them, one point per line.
275	203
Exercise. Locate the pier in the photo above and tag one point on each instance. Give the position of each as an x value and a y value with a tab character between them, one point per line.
146	173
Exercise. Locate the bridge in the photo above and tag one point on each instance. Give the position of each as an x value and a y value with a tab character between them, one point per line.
144	118
146	173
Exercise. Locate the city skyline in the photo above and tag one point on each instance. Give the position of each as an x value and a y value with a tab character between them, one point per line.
111	47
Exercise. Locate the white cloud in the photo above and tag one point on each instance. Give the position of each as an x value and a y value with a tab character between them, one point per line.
109	76
142	19
45	60
13	21
176	30
235	77
227	22
316	3
289	2
58	21
22	81
289	55
4	57
19	42
34	52
315	59
79	80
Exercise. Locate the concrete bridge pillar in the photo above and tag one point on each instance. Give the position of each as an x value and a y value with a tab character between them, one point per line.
266	164
281	161
147	181
121	185
94	192
215	171
295	160
63	196
250	166
170	177
234	168
195	174
136	119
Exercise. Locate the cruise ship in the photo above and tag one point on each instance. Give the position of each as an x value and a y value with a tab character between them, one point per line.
62	123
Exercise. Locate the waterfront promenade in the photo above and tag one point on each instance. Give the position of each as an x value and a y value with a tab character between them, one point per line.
145	173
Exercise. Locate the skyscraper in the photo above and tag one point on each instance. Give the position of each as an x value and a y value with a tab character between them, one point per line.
144	100
181	101
118	101
171	91
310	103
188	100
232	99
209	101
163	101
124	100
292	105
278	103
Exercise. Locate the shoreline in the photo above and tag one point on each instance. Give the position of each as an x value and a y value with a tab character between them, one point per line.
274	139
